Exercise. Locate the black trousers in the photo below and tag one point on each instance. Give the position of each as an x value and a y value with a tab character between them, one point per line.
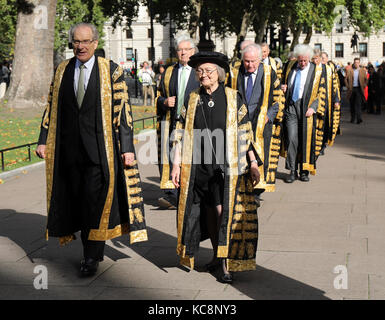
85	182
356	101
293	123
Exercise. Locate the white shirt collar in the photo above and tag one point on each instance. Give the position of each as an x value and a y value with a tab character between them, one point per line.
89	64
186	66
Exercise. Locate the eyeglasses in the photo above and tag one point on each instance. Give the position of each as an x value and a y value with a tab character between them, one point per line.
184	49
201	72
84	42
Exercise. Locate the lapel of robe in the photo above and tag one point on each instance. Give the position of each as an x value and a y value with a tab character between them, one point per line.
241	81
68	80
307	90
90	94
289	85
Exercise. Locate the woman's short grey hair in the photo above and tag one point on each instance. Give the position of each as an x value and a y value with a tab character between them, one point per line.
220	70
183	38
253	47
316	52
303	50
95	32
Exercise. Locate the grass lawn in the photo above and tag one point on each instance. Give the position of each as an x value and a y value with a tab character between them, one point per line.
19	127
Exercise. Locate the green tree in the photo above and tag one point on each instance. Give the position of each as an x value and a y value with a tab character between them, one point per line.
8	13
70	12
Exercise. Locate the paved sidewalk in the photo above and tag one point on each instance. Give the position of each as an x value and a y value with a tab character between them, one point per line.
306	230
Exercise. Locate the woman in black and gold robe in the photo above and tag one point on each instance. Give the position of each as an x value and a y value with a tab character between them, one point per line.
215	166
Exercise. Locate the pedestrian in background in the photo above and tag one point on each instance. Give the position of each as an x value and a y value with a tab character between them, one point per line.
374	94
356	82
146	74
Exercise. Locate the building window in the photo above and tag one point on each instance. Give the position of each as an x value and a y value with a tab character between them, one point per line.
129	54
150	56
318	46
363	49
383	49
339	50
339	29
128	34
149	33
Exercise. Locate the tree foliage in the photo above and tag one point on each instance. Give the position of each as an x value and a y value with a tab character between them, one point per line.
8	13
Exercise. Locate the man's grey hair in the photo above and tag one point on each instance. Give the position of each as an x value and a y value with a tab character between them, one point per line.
245	43
95	32
183	38
220	70
253	47
264	44
303	50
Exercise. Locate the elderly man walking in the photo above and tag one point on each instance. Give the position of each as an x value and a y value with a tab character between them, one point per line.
259	84
176	84
304	88
86	139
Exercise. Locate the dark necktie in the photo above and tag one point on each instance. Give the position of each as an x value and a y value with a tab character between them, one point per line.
249	89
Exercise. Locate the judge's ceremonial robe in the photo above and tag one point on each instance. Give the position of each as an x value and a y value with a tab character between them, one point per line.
100	130
311	129
267	101
333	111
166	118
238	234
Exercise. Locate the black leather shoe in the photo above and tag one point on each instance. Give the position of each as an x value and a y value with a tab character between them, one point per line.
304	176
226	278
88	267
292	177
359	121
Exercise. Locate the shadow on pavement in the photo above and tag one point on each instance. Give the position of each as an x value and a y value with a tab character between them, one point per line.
26	230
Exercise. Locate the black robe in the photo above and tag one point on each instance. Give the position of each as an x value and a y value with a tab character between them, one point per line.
103	126
238	235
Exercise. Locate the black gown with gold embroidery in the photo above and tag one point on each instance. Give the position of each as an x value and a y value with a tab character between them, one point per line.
120	207
238	235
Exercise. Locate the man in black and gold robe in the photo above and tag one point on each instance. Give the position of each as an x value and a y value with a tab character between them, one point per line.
304	113
259	84
86	138
176	84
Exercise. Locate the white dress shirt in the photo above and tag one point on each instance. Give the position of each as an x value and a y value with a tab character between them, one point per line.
188	72
254	76
87	73
304	74
356	82
266	61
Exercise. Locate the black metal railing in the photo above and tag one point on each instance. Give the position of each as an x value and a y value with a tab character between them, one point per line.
28	145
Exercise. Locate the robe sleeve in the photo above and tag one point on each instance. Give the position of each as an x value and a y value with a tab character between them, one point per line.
45	119
122	110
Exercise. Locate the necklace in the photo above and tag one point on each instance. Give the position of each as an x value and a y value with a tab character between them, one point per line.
211	103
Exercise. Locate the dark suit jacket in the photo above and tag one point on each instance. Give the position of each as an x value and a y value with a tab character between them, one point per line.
257	94
191	85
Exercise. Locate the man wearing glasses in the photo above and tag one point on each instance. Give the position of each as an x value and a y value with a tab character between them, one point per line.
175	87
86	138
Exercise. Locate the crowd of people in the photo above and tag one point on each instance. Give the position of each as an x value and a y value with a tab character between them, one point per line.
221	130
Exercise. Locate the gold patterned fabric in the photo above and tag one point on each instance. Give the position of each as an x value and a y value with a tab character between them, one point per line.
114	104
239	230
